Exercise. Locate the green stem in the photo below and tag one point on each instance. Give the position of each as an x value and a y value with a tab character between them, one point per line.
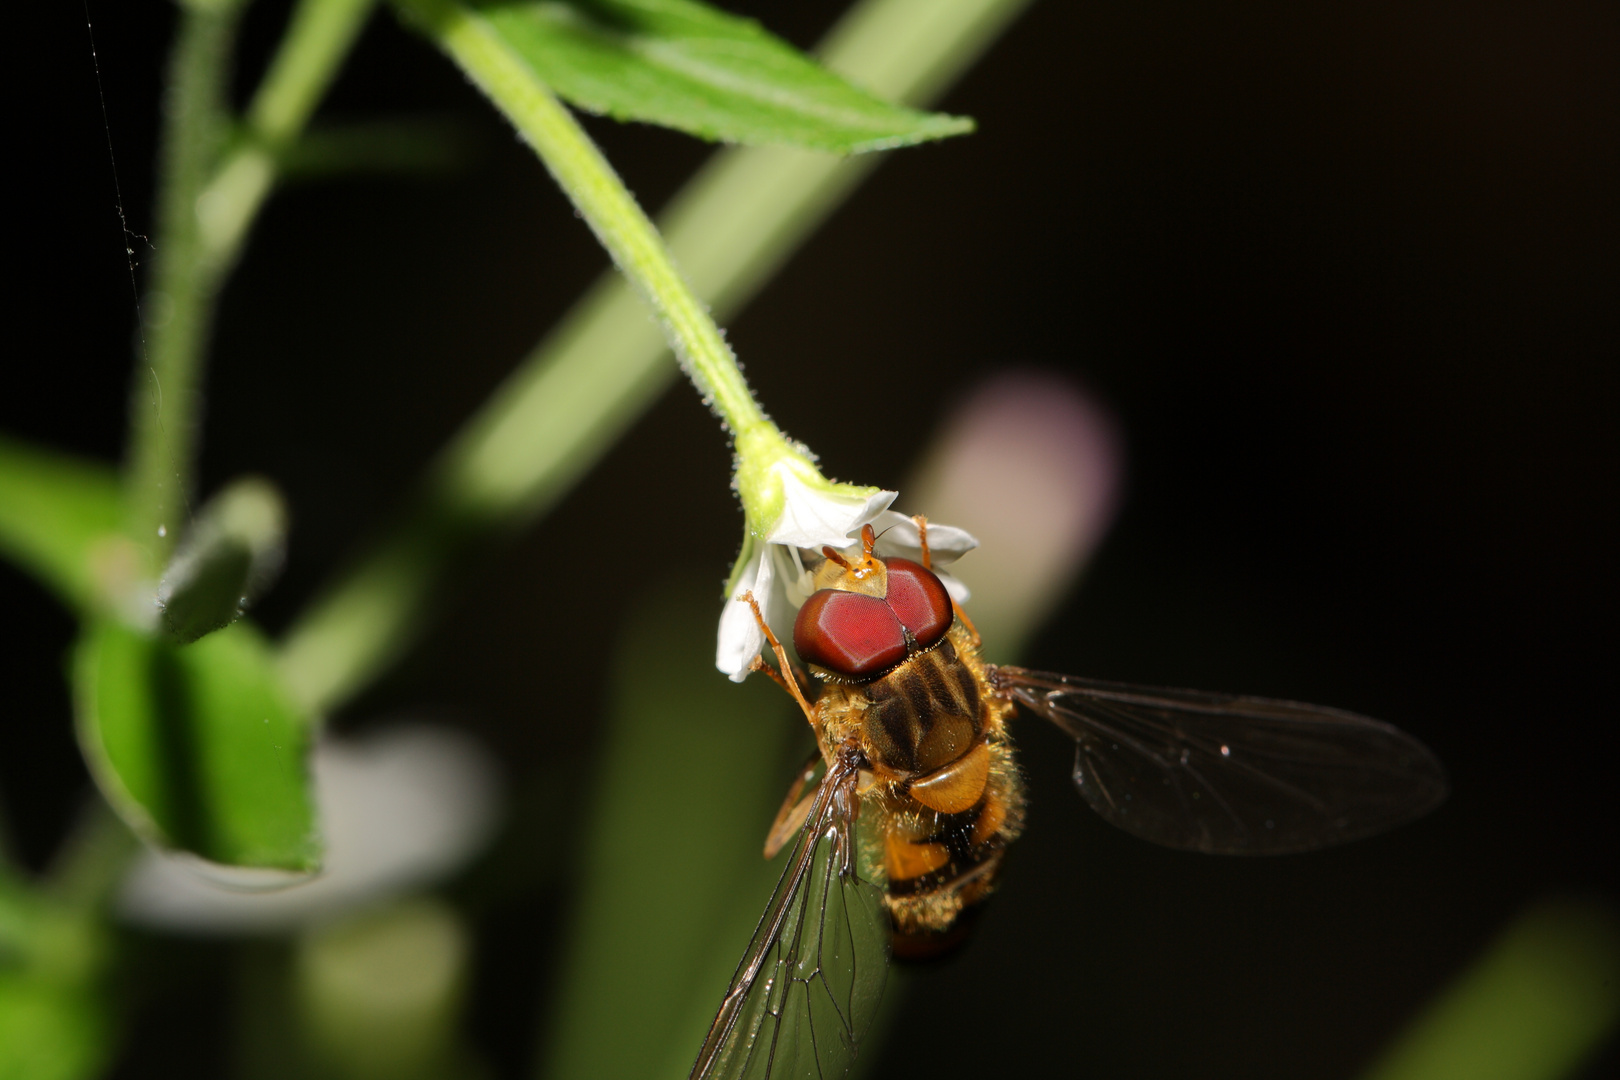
730	229
179	305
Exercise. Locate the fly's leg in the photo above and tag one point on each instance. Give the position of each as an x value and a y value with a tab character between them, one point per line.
795	808
784	675
758	664
928	564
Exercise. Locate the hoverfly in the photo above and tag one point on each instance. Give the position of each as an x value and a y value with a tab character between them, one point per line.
911	728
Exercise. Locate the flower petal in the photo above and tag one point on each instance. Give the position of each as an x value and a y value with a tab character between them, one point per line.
812	518
741	639
953	585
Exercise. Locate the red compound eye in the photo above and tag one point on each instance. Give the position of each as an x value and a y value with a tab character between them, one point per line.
919	599
848	633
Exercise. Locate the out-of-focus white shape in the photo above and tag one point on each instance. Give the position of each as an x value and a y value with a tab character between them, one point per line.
1032	467
400	808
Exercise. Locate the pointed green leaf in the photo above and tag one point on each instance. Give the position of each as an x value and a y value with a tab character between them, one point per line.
691	67
200	748
53	510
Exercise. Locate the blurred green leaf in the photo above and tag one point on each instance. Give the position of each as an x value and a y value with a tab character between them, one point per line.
199	748
53	509
228	557
1540	999
691	67
673	879
50	1031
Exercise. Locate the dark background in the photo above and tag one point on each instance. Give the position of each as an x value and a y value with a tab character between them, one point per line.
1347	275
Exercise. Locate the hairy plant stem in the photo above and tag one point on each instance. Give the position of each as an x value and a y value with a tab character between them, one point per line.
178	307
730	229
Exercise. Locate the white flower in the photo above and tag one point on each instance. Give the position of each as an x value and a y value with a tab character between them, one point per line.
773	568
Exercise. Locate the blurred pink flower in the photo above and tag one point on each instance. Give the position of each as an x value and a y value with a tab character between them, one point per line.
1033	467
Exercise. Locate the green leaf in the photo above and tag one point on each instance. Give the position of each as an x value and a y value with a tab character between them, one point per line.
199	748
688	66
53	510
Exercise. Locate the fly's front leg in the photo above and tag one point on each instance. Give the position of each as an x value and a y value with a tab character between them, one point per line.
784	674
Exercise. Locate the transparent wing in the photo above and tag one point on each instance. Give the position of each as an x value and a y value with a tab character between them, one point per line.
1228	774
808	986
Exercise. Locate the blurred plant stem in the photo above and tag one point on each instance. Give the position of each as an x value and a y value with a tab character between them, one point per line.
178	307
729	230
62	908
205	208
91	861
55	952
424	146
52	921
1534	1006
319	35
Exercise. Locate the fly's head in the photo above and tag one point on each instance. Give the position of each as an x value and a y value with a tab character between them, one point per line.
869	614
